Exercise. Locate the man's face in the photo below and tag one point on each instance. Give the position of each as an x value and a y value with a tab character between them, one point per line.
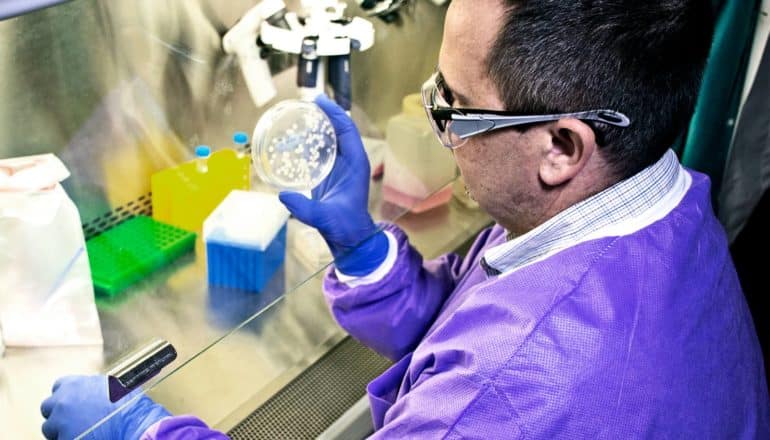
500	168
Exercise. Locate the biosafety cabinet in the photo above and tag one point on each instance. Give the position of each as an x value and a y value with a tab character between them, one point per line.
122	92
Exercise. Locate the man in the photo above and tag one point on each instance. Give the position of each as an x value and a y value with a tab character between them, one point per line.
604	302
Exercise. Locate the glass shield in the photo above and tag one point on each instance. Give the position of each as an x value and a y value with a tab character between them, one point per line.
122	92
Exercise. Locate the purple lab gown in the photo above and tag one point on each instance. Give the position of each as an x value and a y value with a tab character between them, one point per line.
645	335
181	428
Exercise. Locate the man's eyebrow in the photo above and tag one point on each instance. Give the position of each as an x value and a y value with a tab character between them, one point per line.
459	97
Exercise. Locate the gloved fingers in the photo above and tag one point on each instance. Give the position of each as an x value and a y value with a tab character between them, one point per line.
57	384
47	406
304	209
340	120
335	178
50	429
65	380
324	187
128	397
348	140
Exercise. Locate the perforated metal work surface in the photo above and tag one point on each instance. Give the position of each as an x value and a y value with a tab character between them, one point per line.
315	399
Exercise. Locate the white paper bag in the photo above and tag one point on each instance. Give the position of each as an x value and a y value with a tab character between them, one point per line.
46	293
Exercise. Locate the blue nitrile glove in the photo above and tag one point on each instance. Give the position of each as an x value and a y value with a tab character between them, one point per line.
79	402
339	206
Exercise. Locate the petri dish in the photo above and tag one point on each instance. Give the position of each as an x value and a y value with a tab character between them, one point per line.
294	146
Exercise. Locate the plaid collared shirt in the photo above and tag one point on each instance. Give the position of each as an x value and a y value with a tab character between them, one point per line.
621	202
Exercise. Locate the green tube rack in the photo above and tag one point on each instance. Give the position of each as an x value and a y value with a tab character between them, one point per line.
132	250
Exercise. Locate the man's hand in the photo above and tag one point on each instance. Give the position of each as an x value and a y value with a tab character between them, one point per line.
339	206
79	402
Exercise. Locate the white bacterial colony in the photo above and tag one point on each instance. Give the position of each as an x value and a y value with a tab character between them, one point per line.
298	155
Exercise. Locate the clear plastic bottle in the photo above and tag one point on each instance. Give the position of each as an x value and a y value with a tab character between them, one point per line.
241	141
418	169
202	154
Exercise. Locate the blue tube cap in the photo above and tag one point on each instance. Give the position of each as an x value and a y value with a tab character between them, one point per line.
202	151
240	138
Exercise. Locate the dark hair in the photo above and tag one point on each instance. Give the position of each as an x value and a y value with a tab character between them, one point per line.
644	58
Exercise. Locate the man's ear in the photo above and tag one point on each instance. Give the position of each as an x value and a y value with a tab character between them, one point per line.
572	143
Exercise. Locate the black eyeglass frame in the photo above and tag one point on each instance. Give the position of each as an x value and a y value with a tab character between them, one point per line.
468	122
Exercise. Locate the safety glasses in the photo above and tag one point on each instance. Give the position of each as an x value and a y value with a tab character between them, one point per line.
454	126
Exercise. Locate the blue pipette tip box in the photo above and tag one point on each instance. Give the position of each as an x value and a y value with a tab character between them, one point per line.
244	267
245	240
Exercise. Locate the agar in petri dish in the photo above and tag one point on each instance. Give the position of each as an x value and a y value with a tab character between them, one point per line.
294	146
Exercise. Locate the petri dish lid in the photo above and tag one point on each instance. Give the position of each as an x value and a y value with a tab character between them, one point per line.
294	146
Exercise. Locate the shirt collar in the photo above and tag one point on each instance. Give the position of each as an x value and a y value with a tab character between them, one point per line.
618	203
